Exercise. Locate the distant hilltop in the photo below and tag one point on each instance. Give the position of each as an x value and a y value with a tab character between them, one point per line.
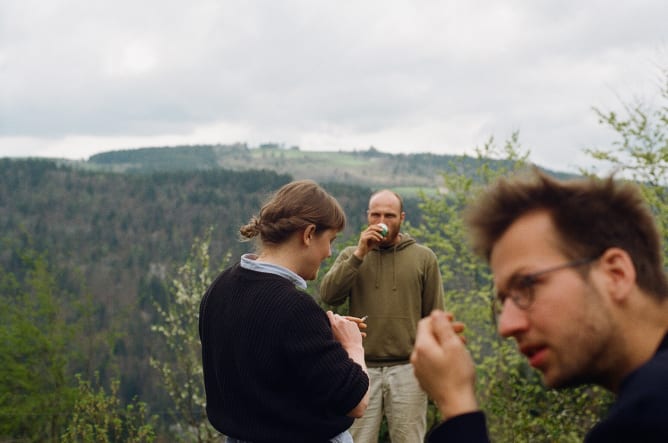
371	167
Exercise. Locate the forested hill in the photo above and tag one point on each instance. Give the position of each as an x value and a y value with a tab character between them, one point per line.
116	227
119	237
114	230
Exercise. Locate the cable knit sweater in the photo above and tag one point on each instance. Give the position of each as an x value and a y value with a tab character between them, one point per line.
273	371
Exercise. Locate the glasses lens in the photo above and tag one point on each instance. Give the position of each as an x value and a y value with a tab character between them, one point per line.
522	294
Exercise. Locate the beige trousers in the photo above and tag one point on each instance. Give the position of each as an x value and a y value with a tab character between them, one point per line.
394	392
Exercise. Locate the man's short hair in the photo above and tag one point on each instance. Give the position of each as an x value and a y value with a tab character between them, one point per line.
590	215
401	200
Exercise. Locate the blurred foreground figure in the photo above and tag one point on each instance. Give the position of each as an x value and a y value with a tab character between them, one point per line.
582	289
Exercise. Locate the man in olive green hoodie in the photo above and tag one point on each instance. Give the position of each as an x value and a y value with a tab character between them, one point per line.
395	282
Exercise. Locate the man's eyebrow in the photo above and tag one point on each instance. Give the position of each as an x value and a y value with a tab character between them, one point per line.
511	281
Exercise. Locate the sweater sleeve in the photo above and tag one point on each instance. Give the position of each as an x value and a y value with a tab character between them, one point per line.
432	297
335	381
465	428
336	284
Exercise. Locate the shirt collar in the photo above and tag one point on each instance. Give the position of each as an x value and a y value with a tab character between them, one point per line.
249	261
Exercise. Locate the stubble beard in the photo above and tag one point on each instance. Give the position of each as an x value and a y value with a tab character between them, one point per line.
588	362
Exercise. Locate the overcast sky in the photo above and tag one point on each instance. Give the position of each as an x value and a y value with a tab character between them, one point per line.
79	77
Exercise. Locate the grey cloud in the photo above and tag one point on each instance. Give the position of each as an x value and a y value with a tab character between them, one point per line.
290	68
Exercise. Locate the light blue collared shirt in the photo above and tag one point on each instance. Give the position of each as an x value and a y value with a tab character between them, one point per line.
249	261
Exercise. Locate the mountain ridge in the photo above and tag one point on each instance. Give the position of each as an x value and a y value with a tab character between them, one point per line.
371	168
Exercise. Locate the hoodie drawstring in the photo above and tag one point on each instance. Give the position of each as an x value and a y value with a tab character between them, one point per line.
379	268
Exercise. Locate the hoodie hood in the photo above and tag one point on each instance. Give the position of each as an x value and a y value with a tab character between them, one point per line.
404	241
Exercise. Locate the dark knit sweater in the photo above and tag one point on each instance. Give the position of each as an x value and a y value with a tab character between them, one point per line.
273	371
640	413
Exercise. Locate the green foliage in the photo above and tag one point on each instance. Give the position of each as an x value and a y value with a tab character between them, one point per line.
642	148
101	418
34	353
181	367
641	152
519	408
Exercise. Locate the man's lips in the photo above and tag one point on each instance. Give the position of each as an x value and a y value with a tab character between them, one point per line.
536	355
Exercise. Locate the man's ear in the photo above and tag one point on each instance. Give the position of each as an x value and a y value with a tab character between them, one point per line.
620	273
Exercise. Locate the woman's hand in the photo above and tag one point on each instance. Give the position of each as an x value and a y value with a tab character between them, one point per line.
360	323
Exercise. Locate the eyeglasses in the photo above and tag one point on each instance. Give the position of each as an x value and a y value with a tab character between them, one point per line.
521	287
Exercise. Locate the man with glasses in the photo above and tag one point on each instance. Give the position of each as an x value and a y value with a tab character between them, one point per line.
580	286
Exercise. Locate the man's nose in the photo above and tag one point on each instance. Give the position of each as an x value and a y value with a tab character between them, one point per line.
511	320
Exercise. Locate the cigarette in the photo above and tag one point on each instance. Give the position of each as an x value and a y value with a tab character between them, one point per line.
364	318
